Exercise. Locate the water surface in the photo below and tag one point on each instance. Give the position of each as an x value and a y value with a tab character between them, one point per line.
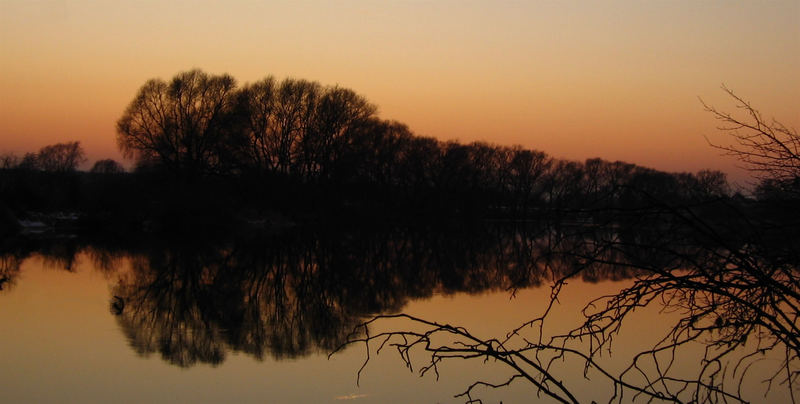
254	320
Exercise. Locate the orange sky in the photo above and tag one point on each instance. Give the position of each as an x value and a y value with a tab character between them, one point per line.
614	79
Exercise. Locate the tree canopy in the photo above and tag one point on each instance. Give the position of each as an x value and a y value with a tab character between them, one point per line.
183	125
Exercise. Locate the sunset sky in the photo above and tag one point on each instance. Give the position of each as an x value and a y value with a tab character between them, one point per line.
613	79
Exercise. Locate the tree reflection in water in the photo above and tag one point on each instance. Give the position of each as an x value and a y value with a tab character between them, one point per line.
312	291
295	294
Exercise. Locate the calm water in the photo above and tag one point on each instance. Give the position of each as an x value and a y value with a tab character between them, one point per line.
253	321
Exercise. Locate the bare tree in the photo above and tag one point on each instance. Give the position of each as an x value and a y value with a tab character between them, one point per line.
524	170
183	124
298	126
768	148
8	161
107	166
338	113
279	116
60	157
29	161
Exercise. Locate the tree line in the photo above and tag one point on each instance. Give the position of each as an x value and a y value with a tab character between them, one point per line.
58	158
203	142
199	124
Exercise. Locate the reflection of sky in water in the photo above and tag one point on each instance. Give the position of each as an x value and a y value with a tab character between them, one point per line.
60	343
65	346
351	396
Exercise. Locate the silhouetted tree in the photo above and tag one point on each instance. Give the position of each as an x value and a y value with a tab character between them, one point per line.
376	153
523	172
107	166
29	162
8	161
60	157
186	125
563	185
420	165
768	149
279	116
339	113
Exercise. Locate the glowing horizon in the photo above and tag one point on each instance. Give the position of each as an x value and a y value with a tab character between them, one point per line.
617	80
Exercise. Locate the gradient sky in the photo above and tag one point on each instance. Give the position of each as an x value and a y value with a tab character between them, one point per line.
613	79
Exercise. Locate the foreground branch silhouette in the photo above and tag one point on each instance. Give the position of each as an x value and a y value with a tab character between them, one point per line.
737	302
729	276
768	148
